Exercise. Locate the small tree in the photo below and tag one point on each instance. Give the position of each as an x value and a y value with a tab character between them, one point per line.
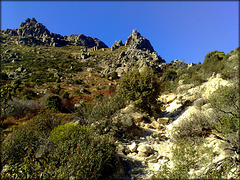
141	88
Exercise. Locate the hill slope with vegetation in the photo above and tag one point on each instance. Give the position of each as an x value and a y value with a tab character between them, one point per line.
72	108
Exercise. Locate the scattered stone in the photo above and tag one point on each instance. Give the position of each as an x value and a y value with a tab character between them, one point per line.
127	151
156	125
153	161
138	117
120	148
134	154
133	147
152	156
156	166
164	120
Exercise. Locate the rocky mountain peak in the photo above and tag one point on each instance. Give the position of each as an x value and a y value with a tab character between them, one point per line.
32	28
32	32
137	41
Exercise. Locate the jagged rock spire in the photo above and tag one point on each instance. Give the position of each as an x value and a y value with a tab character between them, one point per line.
136	41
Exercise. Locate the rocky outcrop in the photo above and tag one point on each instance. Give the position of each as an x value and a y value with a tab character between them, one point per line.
136	41
179	64
116	45
139	53
82	40
31	32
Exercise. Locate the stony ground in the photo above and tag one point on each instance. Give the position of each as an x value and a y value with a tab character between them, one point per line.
148	152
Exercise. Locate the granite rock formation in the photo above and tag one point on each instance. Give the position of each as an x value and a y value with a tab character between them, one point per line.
31	32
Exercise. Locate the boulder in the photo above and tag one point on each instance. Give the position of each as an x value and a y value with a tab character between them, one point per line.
120	148
164	120
184	87
138	117
199	102
167	98
129	109
179	64
144	150
133	147
156	125
206	106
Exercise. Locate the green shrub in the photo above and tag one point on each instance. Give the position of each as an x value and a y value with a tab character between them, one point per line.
213	62
237	49
169	76
77	81
226	105
102	117
30	134
141	88
101	109
53	102
80	153
185	157
114	75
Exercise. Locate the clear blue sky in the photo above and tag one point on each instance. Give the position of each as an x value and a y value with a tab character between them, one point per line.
185	30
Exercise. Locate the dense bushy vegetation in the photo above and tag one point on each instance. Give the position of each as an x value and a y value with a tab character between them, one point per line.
30	134
45	148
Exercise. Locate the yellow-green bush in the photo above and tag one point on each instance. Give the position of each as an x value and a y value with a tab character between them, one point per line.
65	132
80	153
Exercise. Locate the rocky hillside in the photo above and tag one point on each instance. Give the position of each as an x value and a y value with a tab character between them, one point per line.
73	108
137	50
